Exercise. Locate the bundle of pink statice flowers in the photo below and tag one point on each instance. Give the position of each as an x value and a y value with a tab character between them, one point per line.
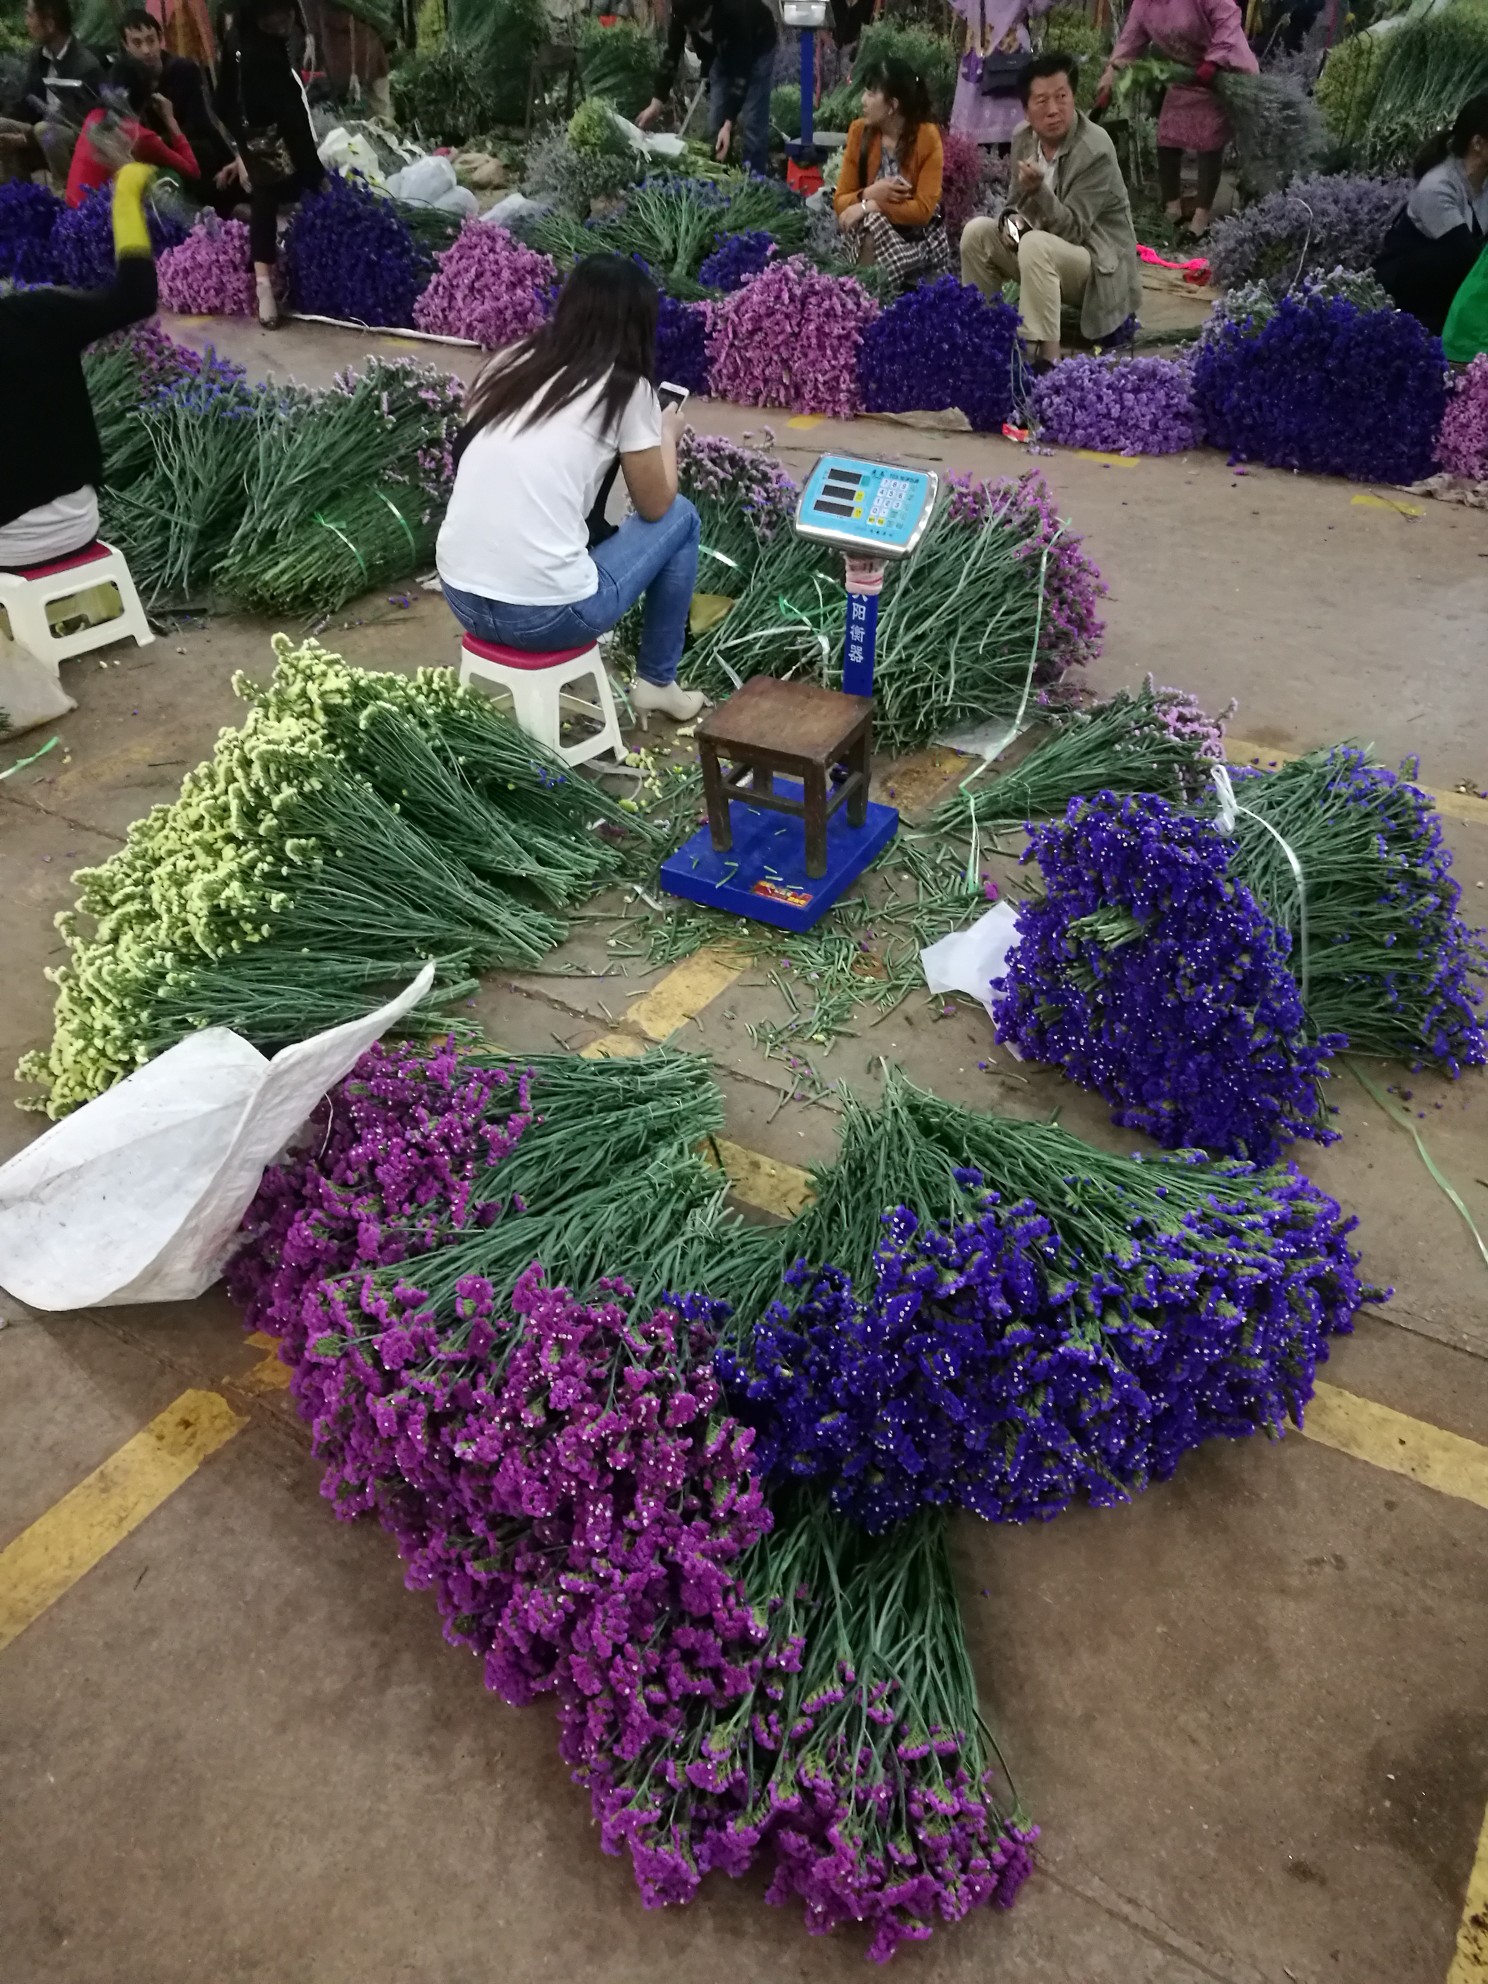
487	286
790	338
211	273
560	1470
1462	446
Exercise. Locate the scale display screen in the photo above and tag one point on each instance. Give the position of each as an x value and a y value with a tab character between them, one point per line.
866	508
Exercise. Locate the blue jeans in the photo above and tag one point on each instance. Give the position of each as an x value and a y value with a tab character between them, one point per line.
754	117
659	560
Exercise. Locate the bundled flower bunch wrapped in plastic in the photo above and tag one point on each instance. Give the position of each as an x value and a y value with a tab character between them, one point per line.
211	272
744	498
941	345
790	338
1149	973
1143	740
1122	406
82	240
1321	222
28	214
487	286
1070	1340
347	253
1325	386
737	259
1463	444
1053	557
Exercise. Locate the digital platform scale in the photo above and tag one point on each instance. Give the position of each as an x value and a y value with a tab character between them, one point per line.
872	513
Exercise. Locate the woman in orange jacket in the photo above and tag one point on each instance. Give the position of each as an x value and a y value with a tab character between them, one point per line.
888	194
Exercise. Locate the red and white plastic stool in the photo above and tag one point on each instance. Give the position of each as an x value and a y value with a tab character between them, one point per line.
27	592
537	683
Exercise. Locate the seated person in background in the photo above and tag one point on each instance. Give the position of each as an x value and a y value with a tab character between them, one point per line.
40	133
181	83
1437	238
543	424
147	132
1077	243
54	464
888	194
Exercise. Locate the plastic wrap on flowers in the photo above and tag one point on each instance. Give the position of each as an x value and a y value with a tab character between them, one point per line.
83	240
1324	386
941	345
1121	406
487	286
790	338
682	343
347	253
736	259
211	272
28	214
1150	974
1463	446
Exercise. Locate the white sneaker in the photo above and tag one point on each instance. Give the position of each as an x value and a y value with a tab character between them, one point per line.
682	705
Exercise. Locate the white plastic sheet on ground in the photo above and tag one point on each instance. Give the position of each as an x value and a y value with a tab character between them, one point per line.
137	1196
968	960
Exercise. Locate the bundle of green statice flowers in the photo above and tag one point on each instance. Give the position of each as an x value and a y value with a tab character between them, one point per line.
559	1466
1070	1334
352	829
999	597
1150	973
1380	951
1142	740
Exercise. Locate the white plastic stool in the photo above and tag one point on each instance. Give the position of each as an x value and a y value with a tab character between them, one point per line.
27	593
536	683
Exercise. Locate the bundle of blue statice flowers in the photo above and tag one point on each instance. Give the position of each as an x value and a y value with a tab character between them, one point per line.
1318	382
941	345
1071	1335
1149	972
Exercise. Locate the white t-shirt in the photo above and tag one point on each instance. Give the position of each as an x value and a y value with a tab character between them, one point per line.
51	530
517	525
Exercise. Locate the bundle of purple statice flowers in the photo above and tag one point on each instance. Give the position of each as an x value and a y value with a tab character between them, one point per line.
1325	386
1122	406
736	259
1322	222
82	242
1071	1339
28	214
940	345
1463	444
563	1473
211	272
1149	972
682	343
487	286
790	338
1071	629
348	253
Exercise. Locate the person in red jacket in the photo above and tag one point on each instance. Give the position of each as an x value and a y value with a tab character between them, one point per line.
147	132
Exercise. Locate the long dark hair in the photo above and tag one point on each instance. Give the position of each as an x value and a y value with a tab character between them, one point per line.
903	85
603	330
1470	122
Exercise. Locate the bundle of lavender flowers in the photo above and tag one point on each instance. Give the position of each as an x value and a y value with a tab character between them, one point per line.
1122	406
1144	740
1149	972
1071	1335
561	1470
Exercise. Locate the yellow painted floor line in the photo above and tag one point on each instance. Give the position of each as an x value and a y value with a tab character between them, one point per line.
613	1047
1456	805
271	1373
46	1560
1470	1964
759	1181
682	994
1389	1439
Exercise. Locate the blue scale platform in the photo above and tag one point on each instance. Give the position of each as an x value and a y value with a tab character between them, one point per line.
764	875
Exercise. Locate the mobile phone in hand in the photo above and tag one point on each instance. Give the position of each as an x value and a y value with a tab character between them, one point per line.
671	395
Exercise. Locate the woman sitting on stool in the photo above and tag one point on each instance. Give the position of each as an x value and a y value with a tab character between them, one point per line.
1430	251
543	424
888	193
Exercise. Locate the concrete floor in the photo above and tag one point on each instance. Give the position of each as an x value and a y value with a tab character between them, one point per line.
1248	1711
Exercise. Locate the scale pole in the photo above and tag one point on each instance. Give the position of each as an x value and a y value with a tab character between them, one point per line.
808	92
865	577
